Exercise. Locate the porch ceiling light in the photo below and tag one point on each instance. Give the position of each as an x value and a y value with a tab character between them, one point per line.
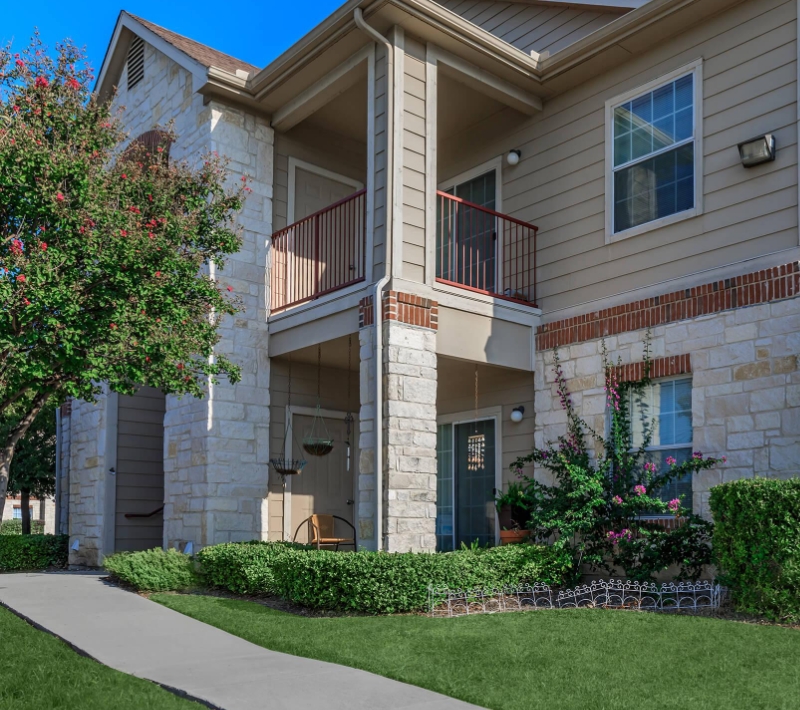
516	414
513	156
757	150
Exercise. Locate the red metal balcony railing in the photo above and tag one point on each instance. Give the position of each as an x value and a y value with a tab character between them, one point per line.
319	254
485	251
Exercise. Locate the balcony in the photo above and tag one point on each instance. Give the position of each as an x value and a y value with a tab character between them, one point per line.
484	251
319	254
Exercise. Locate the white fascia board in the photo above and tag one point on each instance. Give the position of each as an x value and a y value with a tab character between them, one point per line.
595	4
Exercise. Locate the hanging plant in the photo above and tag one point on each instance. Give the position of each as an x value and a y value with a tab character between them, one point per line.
318	442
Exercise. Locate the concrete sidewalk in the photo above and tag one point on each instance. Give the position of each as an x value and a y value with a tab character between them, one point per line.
145	639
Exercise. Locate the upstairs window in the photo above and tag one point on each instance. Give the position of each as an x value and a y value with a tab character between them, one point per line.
654	154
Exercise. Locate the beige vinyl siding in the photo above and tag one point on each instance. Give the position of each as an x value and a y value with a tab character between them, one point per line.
379	226
532	27
140	469
321	148
413	160
749	88
334	396
497	387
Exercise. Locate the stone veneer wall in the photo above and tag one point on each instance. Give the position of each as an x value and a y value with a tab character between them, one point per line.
743	360
216	449
88	479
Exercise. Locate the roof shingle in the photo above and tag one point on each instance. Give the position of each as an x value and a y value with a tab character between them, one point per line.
200	52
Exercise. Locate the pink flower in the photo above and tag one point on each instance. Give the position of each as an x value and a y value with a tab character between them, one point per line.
671	461
650	467
41	81
19	63
16	247
21	278
59	197
724	459
616	500
123	176
697	455
26	301
113	326
640	490
123	233
158	274
72	83
230	288
674	505
43	246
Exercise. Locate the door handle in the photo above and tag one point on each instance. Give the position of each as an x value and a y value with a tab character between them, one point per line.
350	501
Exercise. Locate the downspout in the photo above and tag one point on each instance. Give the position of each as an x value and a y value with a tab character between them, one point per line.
377	299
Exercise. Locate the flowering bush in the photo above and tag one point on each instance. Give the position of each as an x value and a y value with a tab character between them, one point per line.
106	255
602	503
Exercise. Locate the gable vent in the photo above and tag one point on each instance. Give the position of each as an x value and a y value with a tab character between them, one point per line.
135	62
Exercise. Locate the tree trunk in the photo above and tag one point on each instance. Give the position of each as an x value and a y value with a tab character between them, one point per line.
7	453
25	503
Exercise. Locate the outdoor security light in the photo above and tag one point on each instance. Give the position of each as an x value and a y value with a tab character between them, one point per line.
76	545
188	549
513	157
758	150
516	414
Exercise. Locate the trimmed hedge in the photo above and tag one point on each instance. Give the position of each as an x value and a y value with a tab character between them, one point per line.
386	583
14	527
757	544
26	552
243	567
153	570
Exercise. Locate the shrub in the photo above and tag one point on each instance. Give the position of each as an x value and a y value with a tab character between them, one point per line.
384	583
24	552
757	544
153	570
243	567
607	484
14	527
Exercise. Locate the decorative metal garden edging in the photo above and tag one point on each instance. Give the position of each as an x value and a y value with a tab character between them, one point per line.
604	594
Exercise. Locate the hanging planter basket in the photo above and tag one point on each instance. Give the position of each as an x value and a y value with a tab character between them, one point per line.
317	446
287	467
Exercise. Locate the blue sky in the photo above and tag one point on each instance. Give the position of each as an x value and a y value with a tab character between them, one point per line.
256	31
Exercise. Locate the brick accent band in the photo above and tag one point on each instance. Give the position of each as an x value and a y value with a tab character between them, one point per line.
402	307
659	367
749	290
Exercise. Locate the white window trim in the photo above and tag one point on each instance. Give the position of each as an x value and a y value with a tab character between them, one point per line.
469	417
696	68
295	163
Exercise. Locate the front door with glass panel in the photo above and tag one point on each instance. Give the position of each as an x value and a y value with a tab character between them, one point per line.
465	511
466	250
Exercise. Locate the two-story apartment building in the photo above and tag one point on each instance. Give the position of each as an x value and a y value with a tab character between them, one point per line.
443	193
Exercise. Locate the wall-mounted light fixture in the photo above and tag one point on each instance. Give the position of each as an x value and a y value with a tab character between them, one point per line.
516	414
513	156
757	150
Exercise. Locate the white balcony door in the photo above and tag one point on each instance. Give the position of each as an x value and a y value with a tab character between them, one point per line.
314	192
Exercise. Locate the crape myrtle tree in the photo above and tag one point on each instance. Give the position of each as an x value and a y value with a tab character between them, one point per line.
607	488
33	468
105	254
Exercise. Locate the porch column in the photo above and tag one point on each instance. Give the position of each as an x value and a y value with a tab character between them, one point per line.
409	421
367	502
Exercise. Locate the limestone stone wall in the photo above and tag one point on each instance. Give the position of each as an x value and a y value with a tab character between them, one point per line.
216	450
745	388
88	481
410	374
367	502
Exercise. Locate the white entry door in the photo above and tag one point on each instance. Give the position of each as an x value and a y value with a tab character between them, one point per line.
314	191
325	485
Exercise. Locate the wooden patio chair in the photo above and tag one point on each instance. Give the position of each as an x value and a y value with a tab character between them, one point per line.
322	531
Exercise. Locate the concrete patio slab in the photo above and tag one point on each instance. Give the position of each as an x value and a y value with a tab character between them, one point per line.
137	636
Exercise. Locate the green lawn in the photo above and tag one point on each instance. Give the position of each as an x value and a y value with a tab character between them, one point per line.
38	672
553	660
